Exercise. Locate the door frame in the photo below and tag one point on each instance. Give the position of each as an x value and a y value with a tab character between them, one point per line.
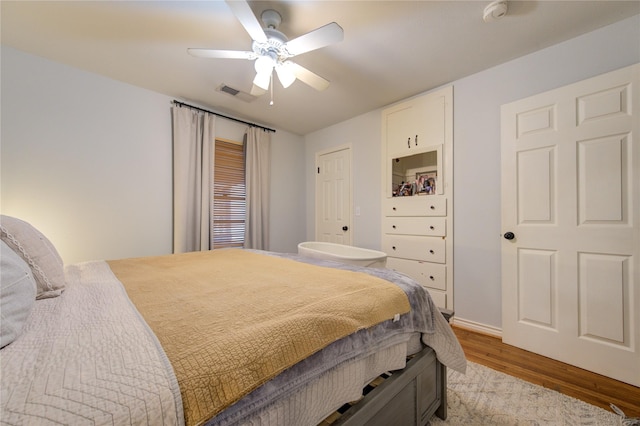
346	147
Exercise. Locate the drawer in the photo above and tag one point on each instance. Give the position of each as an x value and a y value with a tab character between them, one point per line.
431	275
432	226
439	298
417	205
430	249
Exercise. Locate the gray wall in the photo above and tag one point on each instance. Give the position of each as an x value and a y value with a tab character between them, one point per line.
87	160
477	101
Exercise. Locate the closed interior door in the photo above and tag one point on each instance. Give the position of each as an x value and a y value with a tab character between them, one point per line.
570	212
333	196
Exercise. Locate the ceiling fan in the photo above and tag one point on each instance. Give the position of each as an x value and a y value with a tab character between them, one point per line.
272	50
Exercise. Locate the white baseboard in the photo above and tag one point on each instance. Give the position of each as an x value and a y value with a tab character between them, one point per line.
476	326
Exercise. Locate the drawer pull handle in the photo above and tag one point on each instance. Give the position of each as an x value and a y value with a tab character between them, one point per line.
432	252
394	209
432	227
431	278
409	143
432	207
416	140
394	247
393	226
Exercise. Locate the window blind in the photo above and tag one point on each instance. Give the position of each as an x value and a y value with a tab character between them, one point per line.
229	195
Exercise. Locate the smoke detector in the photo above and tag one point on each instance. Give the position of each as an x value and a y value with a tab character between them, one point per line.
495	10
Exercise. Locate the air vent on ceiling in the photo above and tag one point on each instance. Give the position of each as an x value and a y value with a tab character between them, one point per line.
229	90
236	93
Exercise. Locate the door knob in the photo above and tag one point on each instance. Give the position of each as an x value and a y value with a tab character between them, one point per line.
345	228
509	235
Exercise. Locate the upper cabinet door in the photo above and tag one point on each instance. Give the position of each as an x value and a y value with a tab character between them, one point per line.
433	125
412	126
401	126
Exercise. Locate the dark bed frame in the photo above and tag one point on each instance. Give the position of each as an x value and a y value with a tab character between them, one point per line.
410	396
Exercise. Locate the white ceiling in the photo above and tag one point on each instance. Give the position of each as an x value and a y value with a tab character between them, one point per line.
391	49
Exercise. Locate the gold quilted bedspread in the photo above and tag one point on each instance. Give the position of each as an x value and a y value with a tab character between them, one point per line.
229	320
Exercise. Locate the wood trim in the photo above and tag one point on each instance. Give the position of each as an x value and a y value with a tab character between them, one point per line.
595	389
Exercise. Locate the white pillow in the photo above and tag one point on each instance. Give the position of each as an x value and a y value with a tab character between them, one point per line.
41	256
17	294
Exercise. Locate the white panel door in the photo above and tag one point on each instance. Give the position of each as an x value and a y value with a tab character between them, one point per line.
333	196
570	213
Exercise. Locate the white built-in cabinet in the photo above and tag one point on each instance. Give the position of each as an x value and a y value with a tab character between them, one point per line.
417	220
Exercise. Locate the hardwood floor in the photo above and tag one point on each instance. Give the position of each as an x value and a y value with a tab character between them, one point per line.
575	382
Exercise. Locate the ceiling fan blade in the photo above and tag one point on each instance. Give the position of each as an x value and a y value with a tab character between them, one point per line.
245	15
321	37
308	77
224	54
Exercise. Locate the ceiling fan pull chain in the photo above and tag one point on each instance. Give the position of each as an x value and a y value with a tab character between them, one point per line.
271	86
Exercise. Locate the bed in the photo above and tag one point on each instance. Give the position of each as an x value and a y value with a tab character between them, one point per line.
223	337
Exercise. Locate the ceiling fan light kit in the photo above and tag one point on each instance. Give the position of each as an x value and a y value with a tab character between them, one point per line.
495	10
262	80
285	74
271	49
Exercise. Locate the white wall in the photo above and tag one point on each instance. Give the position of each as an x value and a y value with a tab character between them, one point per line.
477	101
363	134
87	160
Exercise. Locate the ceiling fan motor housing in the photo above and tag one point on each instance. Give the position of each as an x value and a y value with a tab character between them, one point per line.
273	47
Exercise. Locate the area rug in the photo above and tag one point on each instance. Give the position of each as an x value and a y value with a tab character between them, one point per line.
484	396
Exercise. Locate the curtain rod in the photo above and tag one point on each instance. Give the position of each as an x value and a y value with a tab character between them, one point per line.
223	116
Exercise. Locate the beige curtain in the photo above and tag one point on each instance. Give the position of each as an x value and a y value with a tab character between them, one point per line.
257	178
193	139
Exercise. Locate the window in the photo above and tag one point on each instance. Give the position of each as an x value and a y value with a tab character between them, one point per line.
229	195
